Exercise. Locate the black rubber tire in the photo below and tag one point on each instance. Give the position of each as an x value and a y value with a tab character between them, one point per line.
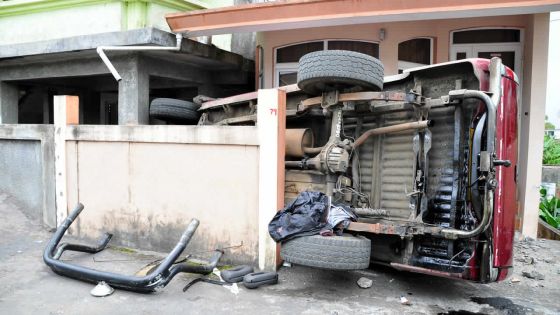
170	109
344	252
342	70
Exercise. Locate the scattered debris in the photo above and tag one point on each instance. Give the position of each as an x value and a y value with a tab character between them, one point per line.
287	264
236	274
365	283
250	280
533	275
203	279
102	289
218	273
153	281
529	260
257	279
233	288
515	280
405	301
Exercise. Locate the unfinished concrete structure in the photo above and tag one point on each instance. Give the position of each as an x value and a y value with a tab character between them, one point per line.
31	73
46	167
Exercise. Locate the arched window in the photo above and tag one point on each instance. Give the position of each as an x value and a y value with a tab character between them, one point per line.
416	52
286	58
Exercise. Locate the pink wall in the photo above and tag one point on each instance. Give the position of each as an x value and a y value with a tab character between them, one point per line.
395	33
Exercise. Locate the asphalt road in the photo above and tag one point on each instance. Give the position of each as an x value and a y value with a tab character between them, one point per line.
28	286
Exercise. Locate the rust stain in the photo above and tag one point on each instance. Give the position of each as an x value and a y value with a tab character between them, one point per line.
135	229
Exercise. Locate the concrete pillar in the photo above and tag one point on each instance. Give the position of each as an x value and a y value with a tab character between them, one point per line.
46	101
66	112
532	123
9	97
82	98
134	92
271	123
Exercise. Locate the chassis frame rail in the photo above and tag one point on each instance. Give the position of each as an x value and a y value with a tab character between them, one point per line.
157	279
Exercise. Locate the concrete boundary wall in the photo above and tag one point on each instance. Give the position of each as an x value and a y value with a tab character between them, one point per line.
145	183
241	135
145	193
43	198
551	174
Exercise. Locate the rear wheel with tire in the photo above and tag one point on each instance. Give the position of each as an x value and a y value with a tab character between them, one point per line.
344	252
173	110
341	70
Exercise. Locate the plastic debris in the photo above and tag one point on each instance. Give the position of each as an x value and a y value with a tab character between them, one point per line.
233	288
405	301
102	289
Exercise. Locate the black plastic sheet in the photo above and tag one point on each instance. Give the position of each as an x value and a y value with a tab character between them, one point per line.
303	216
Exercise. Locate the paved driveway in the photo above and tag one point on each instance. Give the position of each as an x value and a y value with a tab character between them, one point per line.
27	286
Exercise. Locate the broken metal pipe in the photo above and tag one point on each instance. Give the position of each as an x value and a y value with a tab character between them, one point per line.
101	52
157	279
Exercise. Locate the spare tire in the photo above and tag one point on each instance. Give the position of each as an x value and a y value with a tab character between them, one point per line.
342	70
174	110
344	252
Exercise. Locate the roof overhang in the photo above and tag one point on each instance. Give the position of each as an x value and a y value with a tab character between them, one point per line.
83	47
294	14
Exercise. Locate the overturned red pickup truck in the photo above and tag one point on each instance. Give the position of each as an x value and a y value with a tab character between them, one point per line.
426	159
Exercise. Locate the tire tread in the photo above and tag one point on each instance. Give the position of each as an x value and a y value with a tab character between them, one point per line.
332	252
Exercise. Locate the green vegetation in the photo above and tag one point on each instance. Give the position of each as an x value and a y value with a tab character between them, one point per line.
551	151
124	250
549	210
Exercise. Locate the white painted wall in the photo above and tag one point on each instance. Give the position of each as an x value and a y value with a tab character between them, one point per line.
155	14
532	122
145	183
146	193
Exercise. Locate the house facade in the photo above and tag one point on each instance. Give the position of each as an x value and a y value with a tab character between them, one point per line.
403	35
